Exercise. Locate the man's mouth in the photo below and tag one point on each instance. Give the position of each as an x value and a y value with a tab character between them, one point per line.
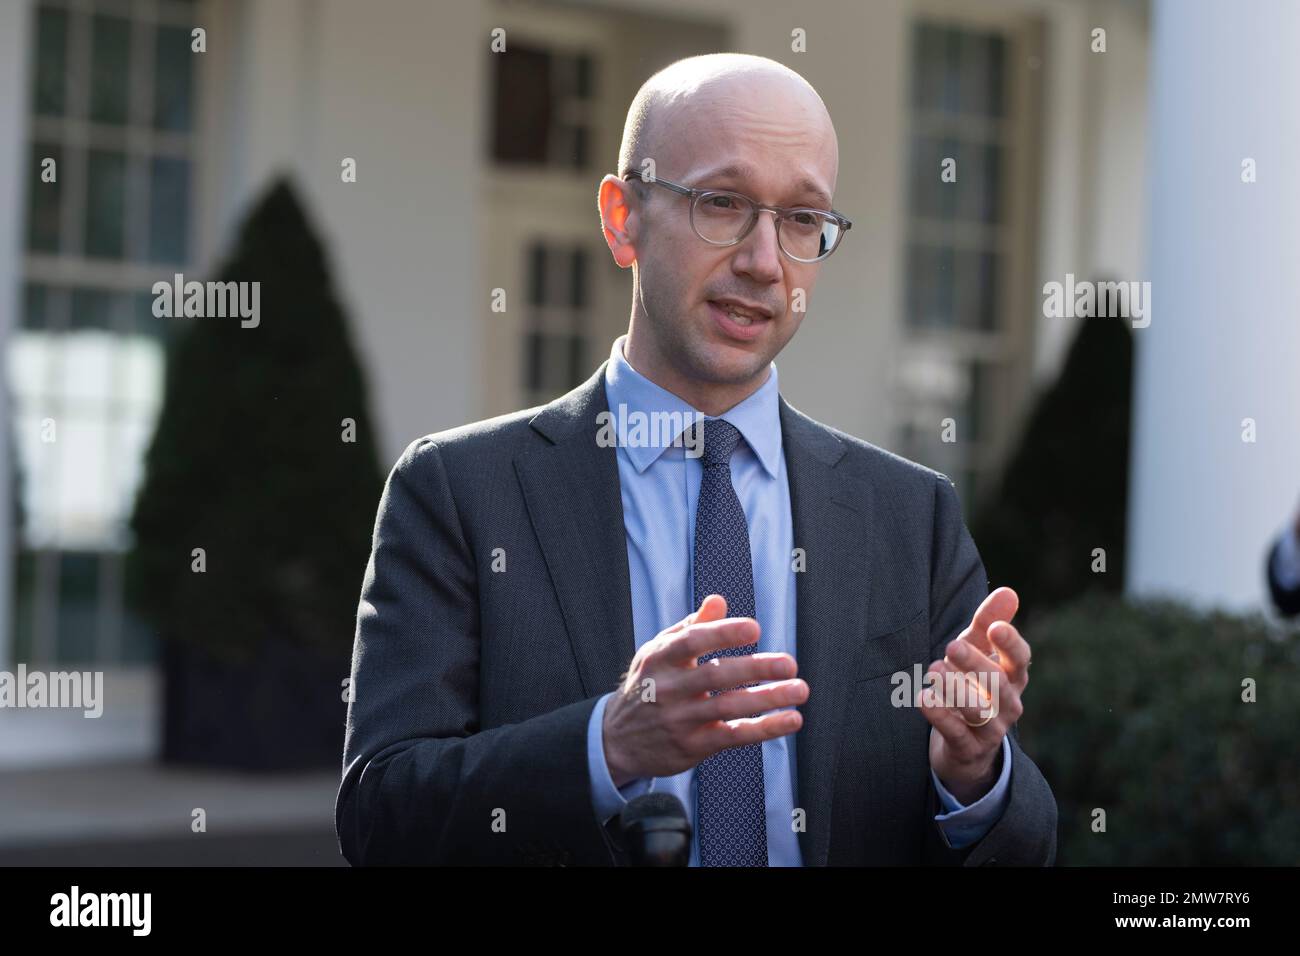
736	320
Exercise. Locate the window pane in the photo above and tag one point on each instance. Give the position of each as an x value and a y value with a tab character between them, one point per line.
930	286
583	84
976	289
37	465
533	361
975	401
140	361
932	198
553	363
992	206
928	47
578	289
949	68
169	190
105	204
44	199
971	177
917	291
147	324
577	362
989	281
536	274
110	70
521	106
87	384
173	79
50	87
966	294
572	147
974	66
139	645
86	506
582	150
78	607
24	605
31	360
36	303
92	309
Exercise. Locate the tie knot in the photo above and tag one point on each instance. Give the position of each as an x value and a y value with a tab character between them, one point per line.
720	440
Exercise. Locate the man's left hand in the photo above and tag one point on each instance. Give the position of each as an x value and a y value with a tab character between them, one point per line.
965	758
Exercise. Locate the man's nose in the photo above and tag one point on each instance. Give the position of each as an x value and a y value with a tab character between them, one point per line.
760	254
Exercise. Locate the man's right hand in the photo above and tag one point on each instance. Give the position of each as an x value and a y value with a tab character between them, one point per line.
681	723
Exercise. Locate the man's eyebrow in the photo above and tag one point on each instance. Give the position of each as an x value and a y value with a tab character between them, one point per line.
741	171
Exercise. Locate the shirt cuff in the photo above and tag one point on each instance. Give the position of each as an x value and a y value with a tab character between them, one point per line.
963	825
607	799
1286	561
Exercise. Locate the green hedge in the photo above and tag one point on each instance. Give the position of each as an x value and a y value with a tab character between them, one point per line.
1137	708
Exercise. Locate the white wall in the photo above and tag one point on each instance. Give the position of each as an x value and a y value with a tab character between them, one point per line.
309	82
1224	340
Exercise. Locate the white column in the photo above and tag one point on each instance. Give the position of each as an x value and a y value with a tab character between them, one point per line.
1224	341
16	40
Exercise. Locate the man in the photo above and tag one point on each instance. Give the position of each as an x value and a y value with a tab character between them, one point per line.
1283	570
565	608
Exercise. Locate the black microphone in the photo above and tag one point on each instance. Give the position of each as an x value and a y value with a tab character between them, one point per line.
656	831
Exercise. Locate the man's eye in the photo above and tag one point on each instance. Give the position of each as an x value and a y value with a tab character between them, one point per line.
722	202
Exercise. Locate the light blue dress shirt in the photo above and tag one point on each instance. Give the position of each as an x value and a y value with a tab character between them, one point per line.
660	487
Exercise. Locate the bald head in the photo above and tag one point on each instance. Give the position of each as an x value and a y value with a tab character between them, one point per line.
728	122
689	107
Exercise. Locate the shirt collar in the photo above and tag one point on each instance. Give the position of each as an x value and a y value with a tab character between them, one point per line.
757	418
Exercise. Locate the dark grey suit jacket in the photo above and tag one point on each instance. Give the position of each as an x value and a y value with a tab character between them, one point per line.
472	687
1286	600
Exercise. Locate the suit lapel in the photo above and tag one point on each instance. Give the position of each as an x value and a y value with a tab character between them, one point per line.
828	510
572	491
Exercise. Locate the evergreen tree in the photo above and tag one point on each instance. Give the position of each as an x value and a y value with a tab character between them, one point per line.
249	461
1064	492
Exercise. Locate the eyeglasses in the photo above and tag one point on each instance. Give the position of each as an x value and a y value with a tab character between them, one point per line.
723	218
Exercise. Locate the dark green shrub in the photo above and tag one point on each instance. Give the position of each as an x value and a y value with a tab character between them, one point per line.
248	462
1064	491
1137	709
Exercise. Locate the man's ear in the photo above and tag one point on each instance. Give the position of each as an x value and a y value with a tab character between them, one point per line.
619	218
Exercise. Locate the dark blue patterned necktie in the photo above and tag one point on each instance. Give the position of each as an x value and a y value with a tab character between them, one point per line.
731	809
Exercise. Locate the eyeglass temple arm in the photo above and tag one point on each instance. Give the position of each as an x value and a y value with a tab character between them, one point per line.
686	191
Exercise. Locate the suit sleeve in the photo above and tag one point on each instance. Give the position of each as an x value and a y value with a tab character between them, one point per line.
963	824
1025	833
422	783
1283	572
